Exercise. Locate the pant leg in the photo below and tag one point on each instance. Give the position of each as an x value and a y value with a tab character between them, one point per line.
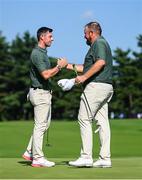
88	107
85	122
41	101
30	144
96	94
104	131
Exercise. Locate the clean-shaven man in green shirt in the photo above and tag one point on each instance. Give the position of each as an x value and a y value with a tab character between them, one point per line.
40	96
96	79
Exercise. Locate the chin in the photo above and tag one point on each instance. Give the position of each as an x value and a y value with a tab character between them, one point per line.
48	45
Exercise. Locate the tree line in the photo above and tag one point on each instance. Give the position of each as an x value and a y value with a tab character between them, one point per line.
15	82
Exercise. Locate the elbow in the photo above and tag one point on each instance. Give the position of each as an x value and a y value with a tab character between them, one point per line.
100	64
103	63
45	75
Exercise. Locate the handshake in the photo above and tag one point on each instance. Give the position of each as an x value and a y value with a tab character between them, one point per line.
61	63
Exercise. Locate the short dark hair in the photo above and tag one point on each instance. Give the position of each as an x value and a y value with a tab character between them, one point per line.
43	30
94	26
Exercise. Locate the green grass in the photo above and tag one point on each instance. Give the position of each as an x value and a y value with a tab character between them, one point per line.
16	168
64	137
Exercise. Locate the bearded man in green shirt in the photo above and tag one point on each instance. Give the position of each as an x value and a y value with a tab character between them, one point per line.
96	79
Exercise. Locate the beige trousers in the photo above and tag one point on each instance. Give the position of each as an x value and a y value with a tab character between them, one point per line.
98	95
41	101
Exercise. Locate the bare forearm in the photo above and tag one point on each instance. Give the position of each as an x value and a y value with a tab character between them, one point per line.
46	74
50	73
93	70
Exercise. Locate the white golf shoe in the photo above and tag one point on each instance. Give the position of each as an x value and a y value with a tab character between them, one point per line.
42	162
102	163
27	156
82	162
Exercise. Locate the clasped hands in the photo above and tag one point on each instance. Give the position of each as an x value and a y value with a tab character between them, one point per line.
62	62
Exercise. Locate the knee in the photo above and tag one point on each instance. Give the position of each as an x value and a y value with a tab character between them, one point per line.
40	127
84	122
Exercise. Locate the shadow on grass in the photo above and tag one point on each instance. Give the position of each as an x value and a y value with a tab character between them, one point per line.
73	167
25	163
28	163
62	163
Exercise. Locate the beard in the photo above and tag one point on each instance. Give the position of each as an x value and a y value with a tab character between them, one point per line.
48	44
88	42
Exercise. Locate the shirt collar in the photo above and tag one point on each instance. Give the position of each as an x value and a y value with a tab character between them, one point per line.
41	49
99	37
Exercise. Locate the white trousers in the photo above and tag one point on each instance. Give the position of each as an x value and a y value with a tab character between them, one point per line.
41	101
95	107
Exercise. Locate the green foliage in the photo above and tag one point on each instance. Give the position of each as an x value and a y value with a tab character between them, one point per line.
15	82
15	77
66	104
127	82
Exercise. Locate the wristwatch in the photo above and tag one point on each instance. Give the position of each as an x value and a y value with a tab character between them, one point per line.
59	67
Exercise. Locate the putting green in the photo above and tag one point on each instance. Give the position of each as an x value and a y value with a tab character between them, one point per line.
64	137
123	168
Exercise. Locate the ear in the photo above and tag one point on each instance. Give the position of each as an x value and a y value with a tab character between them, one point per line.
91	33
41	37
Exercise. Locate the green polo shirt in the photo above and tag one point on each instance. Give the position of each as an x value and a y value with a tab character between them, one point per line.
100	49
39	63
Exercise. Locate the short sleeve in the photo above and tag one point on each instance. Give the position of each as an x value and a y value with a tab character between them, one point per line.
39	63
100	51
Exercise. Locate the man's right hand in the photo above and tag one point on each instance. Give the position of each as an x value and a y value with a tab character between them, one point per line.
62	62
